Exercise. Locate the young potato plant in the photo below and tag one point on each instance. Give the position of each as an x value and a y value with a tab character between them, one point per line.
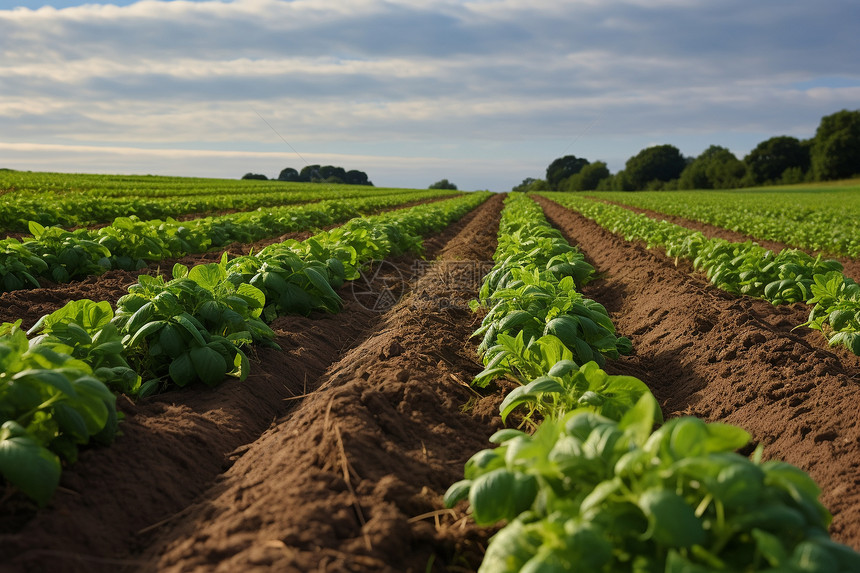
837	310
289	284
68	254
85	327
529	308
566	387
747	268
19	268
191	328
588	492
50	403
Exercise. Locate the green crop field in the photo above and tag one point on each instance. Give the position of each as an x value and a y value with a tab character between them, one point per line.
820	216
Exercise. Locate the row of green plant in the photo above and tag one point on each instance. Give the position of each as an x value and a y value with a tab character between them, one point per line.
57	387
744	268
129	243
533	307
821	218
80	200
595	487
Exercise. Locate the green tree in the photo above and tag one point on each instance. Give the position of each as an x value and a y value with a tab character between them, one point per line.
660	163
715	168
562	168
289	174
767	162
587	179
255	176
443	184
524	186
310	173
356	177
835	152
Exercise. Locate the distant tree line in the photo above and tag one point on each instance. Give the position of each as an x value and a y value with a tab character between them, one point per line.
833	153
443	184
318	174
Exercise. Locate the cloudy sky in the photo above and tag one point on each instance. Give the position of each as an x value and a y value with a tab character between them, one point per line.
481	92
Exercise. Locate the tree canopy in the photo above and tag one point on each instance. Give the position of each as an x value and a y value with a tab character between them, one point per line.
658	163
562	168
768	160
443	184
325	174
835	151
588	178
715	168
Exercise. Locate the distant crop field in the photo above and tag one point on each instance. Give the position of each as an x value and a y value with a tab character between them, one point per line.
821	217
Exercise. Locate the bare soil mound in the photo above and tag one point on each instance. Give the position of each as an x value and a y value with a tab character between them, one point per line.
353	479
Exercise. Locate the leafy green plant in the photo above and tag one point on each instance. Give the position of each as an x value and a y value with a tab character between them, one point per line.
130	243
567	387
812	217
68	254
85	327
588	492
837	310
164	326
532	301
19	267
50	403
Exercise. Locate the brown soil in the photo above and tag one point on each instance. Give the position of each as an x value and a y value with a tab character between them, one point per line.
361	444
733	359
851	266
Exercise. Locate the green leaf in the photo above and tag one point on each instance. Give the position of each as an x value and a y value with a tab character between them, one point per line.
27	465
192	329
179	271
171	340
251	292
528	393
457	492
320	283
511	548
639	421
209	365
144	332
563	368
208	276
181	370
241	366
71	422
672	522
770	547
142	316
501	494
50	378
506	434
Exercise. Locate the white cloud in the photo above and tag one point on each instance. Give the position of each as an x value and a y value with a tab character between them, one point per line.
404	77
